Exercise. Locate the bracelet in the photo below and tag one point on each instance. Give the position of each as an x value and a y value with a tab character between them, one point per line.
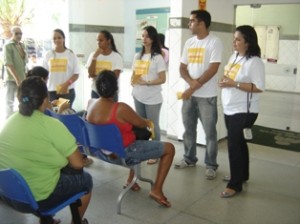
238	85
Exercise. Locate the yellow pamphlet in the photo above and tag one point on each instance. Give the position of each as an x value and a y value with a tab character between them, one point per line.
61	101
179	95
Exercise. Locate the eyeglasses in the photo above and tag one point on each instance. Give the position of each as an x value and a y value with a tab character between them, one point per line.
18	33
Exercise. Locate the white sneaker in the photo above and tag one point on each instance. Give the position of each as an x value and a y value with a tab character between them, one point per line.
210	174
183	164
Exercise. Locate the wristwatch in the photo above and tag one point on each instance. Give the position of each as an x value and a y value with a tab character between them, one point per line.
238	85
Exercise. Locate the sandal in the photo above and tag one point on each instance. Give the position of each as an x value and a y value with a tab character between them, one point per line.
228	193
135	186
87	161
163	201
152	161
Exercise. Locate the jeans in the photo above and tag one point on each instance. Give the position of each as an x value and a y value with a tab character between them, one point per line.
206	110
11	90
150	112
70	96
67	186
237	148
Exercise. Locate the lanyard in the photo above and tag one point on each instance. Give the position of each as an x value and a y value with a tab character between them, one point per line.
234	63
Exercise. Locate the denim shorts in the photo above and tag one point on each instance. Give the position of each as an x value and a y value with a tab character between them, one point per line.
142	150
67	186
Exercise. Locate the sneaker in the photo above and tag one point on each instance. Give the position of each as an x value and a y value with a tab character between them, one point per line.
210	174
183	164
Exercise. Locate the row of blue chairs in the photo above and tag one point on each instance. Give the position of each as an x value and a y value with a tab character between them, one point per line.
16	193
94	137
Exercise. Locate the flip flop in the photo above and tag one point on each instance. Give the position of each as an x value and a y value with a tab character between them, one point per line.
135	186
152	161
228	194
163	201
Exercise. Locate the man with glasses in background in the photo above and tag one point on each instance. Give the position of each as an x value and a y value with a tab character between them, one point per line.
15	59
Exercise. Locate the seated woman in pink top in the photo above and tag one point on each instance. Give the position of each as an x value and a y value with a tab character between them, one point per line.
104	110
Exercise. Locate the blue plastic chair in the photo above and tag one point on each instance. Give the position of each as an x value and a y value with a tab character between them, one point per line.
108	137
75	125
15	191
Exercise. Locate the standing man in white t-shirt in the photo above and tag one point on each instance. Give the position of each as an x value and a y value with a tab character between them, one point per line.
200	62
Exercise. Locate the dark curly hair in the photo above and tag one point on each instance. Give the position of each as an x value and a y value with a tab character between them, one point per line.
31	95
106	84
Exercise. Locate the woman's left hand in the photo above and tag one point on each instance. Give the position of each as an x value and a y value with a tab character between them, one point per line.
225	81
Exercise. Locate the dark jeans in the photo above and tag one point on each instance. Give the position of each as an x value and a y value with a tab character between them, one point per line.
238	148
67	186
70	96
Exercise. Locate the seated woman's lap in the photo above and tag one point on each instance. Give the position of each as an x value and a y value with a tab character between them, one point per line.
142	150
67	186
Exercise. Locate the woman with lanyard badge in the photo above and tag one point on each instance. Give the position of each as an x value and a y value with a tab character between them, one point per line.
244	78
63	68
149	72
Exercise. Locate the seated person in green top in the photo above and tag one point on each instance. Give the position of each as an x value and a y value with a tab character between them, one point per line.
63	108
28	151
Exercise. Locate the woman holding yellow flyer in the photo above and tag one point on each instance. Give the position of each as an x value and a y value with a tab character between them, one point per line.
63	68
149	72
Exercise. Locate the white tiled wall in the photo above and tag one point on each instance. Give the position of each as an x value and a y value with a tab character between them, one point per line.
284	75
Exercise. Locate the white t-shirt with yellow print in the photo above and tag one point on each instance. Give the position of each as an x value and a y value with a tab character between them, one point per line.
242	70
61	67
111	62
197	55
148	68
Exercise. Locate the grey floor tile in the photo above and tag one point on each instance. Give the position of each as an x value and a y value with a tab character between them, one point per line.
271	196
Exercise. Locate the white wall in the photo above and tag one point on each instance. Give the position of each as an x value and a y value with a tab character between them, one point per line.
97	12
217	10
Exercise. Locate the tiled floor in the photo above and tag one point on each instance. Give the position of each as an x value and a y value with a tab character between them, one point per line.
271	196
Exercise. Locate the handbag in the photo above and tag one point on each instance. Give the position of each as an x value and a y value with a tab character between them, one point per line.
141	133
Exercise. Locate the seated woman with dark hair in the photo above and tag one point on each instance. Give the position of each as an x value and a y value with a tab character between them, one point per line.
104	110
63	108
28	151
60	108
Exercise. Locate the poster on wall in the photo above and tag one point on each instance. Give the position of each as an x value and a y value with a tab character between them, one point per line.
157	17
268	40
272	43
